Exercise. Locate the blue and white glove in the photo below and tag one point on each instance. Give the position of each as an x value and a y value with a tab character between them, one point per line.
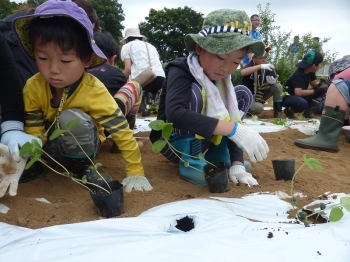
10	171
13	136
269	67
238	174
250	141
271	80
139	183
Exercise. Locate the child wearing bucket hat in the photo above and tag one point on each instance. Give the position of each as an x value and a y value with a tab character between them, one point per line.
205	109
300	97
59	37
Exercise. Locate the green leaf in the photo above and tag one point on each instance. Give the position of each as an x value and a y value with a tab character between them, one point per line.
302	214
84	179
25	149
254	118
186	164
158	146
345	201
167	131
262	124
293	200
72	123
322	206
157	125
313	163
32	161
56	133
301	117
304	158
97	165
336	214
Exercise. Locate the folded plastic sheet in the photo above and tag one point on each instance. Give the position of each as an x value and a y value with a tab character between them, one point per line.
224	229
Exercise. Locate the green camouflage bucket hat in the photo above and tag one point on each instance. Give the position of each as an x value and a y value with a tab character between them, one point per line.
225	31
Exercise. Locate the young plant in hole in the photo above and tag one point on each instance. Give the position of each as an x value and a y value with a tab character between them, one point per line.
167	129
336	211
311	163
35	151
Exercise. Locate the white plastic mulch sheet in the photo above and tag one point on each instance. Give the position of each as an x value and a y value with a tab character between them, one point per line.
220	231
308	127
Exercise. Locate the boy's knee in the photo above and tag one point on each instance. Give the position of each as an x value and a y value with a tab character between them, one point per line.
256	108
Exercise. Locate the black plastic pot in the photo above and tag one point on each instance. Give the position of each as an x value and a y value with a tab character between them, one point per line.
109	205
217	178
283	168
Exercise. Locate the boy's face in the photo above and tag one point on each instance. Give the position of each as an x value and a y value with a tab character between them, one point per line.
58	68
217	67
260	60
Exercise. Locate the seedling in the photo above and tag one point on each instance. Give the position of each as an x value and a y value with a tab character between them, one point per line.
311	163
284	93
301	117
34	151
167	129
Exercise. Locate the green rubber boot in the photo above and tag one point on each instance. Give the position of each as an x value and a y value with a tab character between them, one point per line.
326	138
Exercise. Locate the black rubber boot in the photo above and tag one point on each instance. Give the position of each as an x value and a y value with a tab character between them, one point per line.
277	109
310	110
289	112
35	171
326	138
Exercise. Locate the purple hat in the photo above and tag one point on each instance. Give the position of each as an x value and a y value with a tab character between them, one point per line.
56	8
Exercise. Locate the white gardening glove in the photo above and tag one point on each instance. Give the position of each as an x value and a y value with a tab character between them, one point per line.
10	171
269	67
238	174
139	183
250	141
271	80
13	136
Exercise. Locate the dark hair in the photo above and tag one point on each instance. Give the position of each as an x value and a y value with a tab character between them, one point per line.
91	13
132	38
108	45
67	33
251	18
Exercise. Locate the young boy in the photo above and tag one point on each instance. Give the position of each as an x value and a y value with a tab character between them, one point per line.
260	78
199	99
59	37
301	98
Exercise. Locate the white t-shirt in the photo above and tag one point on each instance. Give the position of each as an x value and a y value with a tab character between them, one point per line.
136	50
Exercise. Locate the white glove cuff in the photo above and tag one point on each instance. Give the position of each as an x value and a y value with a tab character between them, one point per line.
11	125
237	168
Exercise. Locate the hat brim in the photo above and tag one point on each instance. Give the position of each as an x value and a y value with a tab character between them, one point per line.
21	25
225	43
303	65
123	41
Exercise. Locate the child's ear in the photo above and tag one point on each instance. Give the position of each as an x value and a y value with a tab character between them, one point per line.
199	49
89	61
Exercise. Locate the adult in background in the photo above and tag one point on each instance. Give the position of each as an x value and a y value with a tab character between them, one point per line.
255	20
135	53
295	46
260	77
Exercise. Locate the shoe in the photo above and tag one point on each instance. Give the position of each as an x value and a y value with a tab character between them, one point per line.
277	109
326	138
288	111
309	112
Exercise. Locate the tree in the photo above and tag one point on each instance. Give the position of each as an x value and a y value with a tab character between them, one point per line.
167	28
111	16
285	62
7	8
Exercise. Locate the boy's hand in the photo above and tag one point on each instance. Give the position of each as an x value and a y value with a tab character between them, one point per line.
238	174
269	67
14	137
10	171
139	183
250	141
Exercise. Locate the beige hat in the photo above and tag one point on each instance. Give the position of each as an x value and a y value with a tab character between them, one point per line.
133	32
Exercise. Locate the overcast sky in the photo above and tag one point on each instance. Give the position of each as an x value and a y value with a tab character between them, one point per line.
323	18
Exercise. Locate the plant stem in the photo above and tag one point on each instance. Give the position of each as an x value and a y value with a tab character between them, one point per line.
292	185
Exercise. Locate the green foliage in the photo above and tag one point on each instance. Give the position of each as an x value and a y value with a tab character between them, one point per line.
111	16
236	77
167	28
279	122
7	8
34	150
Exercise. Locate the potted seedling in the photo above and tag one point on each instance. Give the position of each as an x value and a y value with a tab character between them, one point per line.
215	173
106	195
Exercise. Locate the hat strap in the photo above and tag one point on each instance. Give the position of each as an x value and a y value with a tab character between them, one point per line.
221	29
